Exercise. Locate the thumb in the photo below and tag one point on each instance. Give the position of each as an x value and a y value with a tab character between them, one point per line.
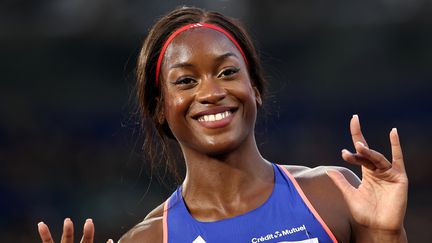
339	180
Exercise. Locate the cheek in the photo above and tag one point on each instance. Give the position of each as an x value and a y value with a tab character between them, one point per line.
248	98
174	106
244	88
245	92
179	101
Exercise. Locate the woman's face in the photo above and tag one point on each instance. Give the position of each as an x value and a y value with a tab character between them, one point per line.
209	100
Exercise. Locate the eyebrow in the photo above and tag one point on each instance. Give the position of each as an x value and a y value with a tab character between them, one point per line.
219	59
225	56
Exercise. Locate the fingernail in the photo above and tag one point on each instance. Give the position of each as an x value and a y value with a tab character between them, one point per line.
110	241
40	223
89	221
355	116
395	130
362	144
67	219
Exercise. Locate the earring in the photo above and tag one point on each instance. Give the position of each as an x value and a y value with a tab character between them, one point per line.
259	101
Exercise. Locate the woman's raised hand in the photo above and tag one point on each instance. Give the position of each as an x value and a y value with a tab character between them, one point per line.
378	205
68	232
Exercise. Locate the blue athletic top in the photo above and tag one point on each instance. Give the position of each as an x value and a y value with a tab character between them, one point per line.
285	217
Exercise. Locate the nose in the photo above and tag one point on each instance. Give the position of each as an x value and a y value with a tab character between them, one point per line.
210	91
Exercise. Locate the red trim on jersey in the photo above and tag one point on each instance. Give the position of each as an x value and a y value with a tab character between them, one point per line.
165	222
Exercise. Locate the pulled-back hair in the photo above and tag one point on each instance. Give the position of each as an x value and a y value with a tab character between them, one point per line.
150	99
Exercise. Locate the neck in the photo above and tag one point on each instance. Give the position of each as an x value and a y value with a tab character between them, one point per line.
228	178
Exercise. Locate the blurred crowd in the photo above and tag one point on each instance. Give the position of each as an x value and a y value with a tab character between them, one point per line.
70	139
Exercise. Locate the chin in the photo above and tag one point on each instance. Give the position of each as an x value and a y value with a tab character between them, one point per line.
220	146
219	151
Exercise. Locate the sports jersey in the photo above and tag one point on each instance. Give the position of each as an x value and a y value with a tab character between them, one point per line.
286	216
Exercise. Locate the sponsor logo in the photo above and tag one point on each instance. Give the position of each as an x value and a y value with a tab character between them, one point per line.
278	234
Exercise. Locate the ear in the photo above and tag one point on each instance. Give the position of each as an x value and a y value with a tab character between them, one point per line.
257	96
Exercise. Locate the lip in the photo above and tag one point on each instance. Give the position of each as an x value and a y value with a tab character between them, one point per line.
212	111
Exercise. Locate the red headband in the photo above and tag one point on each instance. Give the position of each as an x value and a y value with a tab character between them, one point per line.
191	26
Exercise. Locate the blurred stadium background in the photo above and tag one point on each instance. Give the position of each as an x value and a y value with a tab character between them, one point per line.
70	145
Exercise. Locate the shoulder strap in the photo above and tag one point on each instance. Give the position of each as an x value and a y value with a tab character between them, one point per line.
307	202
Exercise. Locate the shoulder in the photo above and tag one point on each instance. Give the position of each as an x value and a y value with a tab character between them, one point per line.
319	174
318	186
325	197
149	230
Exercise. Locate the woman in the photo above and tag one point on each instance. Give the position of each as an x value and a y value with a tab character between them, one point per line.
200	82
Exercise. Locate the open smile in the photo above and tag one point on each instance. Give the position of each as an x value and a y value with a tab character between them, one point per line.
214	117
217	117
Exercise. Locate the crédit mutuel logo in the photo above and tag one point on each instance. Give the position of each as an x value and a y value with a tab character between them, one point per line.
278	234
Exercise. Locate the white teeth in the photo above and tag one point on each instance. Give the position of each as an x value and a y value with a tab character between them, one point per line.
215	117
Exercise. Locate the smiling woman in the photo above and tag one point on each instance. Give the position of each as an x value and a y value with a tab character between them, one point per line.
206	79
200	83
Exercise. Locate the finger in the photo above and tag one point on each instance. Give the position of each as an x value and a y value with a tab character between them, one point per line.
68	231
88	233
373	156
339	180
110	241
357	159
356	133
44	233
397	156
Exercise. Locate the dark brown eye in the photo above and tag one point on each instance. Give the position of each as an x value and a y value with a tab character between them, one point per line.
184	81
228	72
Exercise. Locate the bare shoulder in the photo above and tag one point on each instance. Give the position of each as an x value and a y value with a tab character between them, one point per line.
318	174
149	230
318	186
325	197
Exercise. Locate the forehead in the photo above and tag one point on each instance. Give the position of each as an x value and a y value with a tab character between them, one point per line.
198	43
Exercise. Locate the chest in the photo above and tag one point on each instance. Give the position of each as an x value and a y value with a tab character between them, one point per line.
285	217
